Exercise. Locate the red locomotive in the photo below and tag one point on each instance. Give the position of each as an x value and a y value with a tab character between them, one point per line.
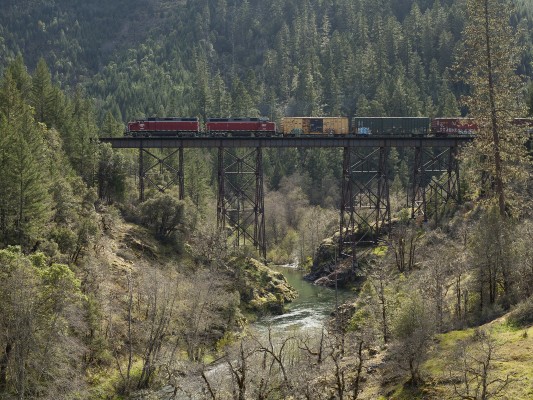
453	126
240	127
170	126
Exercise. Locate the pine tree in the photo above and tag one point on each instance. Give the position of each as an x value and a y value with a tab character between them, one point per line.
242	101
42	95
491	57
202	92
79	137
447	103
221	97
530	99
19	73
24	199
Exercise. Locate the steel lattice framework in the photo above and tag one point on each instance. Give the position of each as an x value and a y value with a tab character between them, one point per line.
365	202
152	165
240	200
365	210
435	181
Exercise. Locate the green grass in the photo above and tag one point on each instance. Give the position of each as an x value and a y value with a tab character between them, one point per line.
105	382
514	358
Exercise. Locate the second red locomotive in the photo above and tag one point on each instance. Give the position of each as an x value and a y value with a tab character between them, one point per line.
240	127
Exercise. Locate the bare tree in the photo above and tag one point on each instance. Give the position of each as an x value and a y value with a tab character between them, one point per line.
440	257
239	371
490	255
473	367
160	298
379	300
403	241
126	375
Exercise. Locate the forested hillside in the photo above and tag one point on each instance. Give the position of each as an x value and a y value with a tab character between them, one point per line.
104	296
246	58
297	58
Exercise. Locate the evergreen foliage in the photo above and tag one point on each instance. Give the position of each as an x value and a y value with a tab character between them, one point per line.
490	61
67	312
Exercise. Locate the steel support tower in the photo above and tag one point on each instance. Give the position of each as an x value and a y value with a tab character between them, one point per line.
153	167
435	181
365	210
365	201
240	200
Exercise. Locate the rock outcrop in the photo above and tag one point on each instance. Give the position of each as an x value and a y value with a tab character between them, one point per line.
262	290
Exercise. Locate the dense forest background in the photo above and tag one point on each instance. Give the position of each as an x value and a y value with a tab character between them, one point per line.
249	58
108	321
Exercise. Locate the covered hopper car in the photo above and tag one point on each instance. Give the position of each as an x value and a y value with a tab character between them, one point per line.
400	126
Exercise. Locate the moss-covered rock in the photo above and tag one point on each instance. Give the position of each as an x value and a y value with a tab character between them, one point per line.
262	290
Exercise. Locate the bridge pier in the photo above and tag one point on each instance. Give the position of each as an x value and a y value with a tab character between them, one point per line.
240	199
161	164
365	200
365	206
435	181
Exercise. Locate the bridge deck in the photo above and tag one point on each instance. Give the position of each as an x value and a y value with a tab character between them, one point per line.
332	141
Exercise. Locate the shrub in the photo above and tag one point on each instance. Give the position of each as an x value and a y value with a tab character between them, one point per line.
522	315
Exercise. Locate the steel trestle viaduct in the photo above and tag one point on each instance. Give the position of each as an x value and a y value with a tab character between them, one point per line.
365	209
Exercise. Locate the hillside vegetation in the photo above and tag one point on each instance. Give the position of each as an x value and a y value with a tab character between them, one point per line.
104	296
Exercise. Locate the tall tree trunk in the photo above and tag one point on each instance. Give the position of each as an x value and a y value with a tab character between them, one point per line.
493	114
3	366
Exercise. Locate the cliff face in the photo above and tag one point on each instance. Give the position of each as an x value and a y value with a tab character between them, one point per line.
324	261
329	269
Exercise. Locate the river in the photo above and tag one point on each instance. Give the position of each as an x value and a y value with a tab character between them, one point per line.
310	310
307	313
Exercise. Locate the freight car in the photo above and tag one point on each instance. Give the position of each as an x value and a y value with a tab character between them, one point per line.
526	123
453	126
240	127
296	126
398	126
169	126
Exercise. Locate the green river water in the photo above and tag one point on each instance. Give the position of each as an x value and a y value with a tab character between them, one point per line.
310	310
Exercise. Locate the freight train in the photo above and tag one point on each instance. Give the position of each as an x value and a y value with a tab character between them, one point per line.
308	126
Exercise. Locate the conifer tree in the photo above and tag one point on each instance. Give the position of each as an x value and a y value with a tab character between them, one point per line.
202	92
530	99
490	60
42	94
24	199
79	137
221	97
19	73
